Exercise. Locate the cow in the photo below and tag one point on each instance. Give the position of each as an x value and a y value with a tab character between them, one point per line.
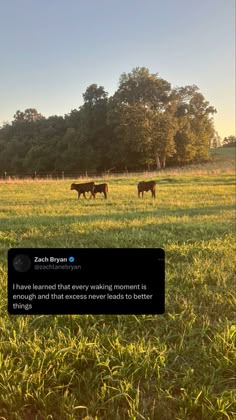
147	186
83	188
101	188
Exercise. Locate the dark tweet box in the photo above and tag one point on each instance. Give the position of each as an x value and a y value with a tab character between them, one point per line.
86	281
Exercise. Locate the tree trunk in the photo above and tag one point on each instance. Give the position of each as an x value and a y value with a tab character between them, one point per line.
163	162
158	163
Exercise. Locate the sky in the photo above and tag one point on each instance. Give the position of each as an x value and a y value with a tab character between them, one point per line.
52	50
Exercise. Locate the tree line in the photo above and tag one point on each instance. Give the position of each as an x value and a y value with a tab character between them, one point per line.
145	125
229	141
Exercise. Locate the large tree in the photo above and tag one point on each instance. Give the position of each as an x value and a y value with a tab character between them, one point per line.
195	125
140	107
94	130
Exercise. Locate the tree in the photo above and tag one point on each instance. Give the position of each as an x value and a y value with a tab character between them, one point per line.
229	141
95	95
140	98
29	115
216	141
195	126
140	86
164	127
94	130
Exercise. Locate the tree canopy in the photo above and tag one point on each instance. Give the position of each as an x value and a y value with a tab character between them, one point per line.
146	124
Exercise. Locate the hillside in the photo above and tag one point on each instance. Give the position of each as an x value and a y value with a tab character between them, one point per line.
225	155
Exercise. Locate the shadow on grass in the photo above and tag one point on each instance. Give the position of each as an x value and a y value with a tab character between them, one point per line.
147	235
9	223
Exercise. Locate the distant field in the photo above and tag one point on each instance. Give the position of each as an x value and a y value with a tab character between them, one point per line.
224	152
224	157
176	366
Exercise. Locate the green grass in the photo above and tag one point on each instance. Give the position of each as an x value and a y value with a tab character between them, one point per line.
224	152
180	365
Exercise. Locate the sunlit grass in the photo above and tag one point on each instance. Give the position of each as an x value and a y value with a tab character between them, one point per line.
176	366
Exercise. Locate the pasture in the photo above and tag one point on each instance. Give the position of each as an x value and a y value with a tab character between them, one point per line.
174	366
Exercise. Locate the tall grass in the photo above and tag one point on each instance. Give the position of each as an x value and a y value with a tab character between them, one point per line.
176	366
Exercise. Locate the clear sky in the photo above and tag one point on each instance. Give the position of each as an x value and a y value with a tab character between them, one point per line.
52	50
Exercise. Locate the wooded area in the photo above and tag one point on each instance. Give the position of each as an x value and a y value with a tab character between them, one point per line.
145	125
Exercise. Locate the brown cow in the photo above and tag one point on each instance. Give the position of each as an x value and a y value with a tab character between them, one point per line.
83	188
147	186
101	188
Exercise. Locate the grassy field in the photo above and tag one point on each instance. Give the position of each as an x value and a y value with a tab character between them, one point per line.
179	365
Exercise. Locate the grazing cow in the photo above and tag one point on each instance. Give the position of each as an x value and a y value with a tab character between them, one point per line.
83	188
147	186
101	188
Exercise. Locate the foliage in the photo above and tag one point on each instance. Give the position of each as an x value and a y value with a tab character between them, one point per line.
145	124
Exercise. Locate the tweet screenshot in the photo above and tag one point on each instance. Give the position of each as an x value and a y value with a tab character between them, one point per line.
86	281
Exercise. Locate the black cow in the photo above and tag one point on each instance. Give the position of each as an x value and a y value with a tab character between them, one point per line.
147	186
83	188
101	188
